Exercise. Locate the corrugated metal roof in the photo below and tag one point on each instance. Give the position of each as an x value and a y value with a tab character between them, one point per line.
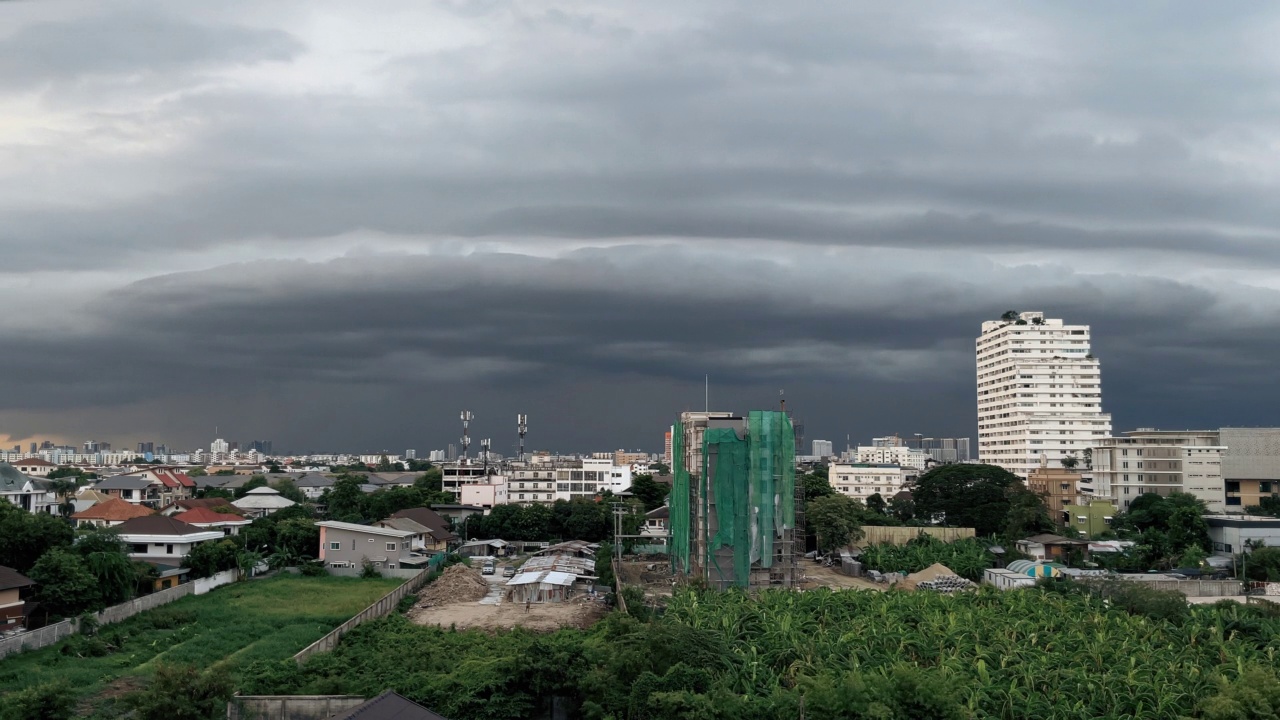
543	576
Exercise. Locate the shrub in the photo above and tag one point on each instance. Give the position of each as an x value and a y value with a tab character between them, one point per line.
369	571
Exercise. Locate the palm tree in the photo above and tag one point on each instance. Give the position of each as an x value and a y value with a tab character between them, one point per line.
1070	462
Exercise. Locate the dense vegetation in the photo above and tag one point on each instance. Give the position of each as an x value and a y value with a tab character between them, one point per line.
263	620
1031	653
968	557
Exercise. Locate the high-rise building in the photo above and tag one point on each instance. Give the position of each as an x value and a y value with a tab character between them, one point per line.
262	446
410	454
34	448
822	448
219	446
1161	462
146	447
452	452
666	448
1039	392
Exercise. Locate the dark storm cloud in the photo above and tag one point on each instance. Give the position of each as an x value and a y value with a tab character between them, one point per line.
578	210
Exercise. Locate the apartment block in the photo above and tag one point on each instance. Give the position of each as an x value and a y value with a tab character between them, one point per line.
1162	462
1039	392
1058	486
862	480
1250	466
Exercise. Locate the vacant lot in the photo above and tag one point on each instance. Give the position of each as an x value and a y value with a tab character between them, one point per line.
258	620
494	612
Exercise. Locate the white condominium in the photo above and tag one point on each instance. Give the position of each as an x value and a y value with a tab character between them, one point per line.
1039	392
1162	462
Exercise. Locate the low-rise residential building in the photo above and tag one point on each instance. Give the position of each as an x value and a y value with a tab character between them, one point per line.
862	480
182	506
485	496
655	523
348	545
203	517
1058	487
35	467
154	487
162	540
1090	520
1050	547
111	513
262	501
313	484
29	493
439	536
14	590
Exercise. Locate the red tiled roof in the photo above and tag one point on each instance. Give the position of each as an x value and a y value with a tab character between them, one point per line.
205	515
113	510
157	525
193	503
34	462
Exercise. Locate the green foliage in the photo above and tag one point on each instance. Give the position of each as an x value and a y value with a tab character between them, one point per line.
815	485
660	468
968	557
252	483
48	701
989	499
650	492
25	536
1254	695
577	519
1263	564
265	620
65	587
604	565
197	472
369	571
876	504
182	692
288	490
1165	528
210	558
836	520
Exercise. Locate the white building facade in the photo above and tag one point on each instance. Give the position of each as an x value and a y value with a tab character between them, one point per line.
862	480
891	455
1160	462
1039	392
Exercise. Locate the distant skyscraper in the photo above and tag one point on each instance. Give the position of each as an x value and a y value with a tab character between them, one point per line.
822	448
1039	392
219	446
146	447
262	446
666	447
411	454
453	452
33	447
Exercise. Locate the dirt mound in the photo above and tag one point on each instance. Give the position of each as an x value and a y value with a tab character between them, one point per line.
933	572
457	584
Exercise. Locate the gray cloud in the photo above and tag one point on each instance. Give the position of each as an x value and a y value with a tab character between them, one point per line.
339	226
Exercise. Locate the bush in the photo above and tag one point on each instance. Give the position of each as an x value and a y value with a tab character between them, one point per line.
52	701
312	568
166	618
369	571
182	692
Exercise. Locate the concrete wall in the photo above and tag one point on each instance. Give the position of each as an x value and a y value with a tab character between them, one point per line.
289	707
51	634
1198	588
901	535
405	573
386	604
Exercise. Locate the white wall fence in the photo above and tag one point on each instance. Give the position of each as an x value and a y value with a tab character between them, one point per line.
289	707
386	604
405	573
51	634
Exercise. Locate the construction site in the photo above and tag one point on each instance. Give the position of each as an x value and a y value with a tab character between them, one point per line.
735	506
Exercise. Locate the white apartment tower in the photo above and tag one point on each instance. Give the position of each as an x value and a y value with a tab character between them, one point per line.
1039	392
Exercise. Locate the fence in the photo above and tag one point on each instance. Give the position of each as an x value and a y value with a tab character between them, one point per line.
289	707
384	605
51	634
899	535
1197	588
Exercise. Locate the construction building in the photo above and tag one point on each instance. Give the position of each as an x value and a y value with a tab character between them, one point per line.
734	499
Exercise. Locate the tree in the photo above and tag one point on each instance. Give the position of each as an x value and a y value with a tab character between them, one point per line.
876	504
815	485
210	558
197	472
432	479
650	492
182	692
289	490
660	468
64	586
1009	315
106	559
384	464
836	520
25	536
50	701
1070	462
345	499
902	507
1027	514
225	473
968	495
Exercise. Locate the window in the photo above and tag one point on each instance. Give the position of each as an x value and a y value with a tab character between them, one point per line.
335	546
140	548
521	496
370	539
392	566
168	549
391	547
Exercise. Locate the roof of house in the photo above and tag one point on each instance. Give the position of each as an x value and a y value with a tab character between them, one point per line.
314	480
1048	539
404	523
113	510
11	480
35	462
193	503
166	476
263	498
388	706
205	516
432	520
124	482
10	579
661	513
157	525
369	529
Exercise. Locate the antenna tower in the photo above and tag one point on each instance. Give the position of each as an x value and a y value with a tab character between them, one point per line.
485	444
467	417
522	427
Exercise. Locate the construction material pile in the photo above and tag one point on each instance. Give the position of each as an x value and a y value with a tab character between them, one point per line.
457	584
946	584
936	571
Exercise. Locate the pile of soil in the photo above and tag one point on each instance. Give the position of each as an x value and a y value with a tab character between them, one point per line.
933	572
457	584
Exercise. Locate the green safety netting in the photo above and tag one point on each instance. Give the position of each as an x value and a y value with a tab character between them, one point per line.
753	485
680	517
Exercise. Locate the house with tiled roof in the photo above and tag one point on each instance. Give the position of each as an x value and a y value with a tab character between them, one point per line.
155	486
35	467
29	493
262	501
314	484
110	513
181	506
15	588
439	536
162	540
203	517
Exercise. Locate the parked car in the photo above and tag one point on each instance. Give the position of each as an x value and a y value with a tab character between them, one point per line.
508	571
486	570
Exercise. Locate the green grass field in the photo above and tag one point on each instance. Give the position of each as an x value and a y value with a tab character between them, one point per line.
259	620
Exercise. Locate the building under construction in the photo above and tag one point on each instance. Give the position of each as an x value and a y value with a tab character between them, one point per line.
734	499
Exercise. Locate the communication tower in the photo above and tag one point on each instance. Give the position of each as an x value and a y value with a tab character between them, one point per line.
467	417
522	427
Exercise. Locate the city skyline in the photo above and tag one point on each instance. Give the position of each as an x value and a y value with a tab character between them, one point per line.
341	239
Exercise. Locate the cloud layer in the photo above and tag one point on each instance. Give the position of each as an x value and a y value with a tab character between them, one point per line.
338	227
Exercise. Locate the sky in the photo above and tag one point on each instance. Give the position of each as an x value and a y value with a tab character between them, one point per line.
336	225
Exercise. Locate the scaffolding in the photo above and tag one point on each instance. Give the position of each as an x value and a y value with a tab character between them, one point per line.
734	499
